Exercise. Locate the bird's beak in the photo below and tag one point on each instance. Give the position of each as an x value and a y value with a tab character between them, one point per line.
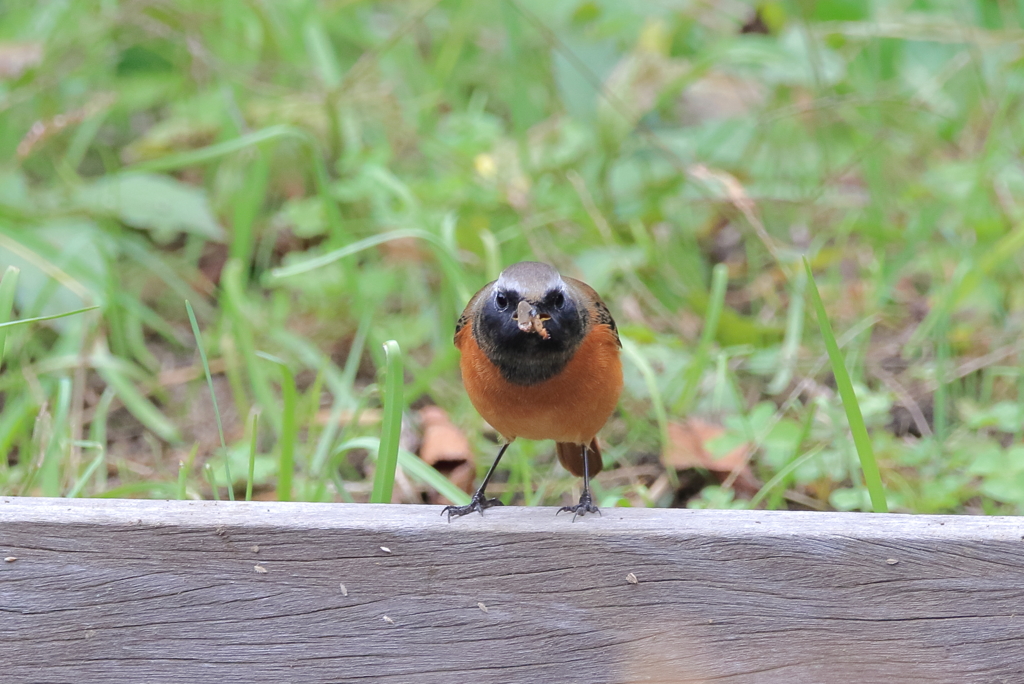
529	320
525	314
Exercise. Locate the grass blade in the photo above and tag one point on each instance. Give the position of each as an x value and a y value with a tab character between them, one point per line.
182	479
50	471
289	436
98	430
776	498
413	466
719	279
15	419
307	265
8	286
242	327
794	333
213	398
941	398
183	470
289	429
246	210
453	269
90	470
861	439
23	321
387	454
967	279
795	461
280	132
343	396
632	352
321	53
252	455
180	160
137	404
212	480
782	475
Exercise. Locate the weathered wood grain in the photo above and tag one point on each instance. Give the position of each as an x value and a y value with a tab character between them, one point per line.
149	591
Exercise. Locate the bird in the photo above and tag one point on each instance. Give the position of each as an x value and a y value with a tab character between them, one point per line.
540	360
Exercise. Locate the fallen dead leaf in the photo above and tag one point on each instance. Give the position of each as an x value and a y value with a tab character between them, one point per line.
445	447
461	476
442	441
687	448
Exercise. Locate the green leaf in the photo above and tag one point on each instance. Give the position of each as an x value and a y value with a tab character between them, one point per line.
63	265
151	202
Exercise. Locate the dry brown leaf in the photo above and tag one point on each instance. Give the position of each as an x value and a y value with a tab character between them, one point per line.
445	447
462	476
686	447
442	441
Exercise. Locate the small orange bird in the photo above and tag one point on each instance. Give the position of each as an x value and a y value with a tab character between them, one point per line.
540	360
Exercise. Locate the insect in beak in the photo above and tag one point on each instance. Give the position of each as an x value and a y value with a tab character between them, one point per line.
529	320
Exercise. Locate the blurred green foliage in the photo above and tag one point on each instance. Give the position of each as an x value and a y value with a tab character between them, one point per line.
319	177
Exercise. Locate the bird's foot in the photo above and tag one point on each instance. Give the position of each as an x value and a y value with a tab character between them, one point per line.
586	505
478	503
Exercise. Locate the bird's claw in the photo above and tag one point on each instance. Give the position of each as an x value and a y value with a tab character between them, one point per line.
478	503
586	505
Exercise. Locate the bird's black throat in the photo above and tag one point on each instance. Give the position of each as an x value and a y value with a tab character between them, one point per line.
525	358
528	361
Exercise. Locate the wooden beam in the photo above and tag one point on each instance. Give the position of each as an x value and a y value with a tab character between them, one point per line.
204	591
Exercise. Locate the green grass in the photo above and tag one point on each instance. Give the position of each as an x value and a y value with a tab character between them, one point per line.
318	179
858	431
391	426
213	398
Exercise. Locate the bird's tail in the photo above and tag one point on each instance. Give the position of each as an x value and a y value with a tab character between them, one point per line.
571	457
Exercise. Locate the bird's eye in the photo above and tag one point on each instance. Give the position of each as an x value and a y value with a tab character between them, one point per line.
501	300
558	300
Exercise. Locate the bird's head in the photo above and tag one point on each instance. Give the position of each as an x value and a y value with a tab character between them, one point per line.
529	321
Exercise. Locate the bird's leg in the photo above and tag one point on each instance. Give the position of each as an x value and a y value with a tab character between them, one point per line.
586	504
479	501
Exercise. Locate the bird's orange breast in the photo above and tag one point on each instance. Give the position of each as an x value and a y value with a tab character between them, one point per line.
570	407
